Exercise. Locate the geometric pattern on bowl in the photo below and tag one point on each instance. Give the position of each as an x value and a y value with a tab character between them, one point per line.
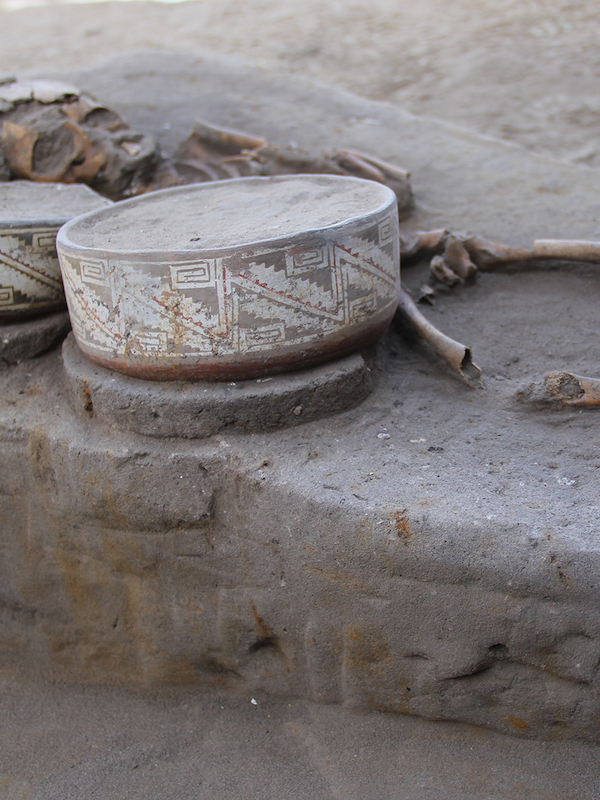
239	311
30	217
30	281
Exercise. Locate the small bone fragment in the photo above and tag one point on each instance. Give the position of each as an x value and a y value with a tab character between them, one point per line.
452	352
573	390
421	243
442	272
87	111
210	142
426	295
363	165
457	258
384	168
354	162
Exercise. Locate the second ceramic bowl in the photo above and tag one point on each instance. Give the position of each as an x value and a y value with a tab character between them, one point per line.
30	217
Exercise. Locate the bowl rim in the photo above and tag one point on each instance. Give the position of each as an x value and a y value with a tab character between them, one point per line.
50	221
64	235
39	222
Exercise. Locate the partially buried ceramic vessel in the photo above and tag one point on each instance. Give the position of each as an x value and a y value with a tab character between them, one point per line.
235	279
30	217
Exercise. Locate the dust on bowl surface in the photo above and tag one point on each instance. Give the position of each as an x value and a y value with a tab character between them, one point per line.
234	279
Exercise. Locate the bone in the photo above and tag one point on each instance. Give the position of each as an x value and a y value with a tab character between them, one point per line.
426	295
442	272
353	162
212	143
57	153
457	258
573	390
567	249
213	153
51	131
85	110
487	255
363	165
421	243
457	355
384	167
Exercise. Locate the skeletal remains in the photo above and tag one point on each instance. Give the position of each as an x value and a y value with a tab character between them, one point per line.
52	132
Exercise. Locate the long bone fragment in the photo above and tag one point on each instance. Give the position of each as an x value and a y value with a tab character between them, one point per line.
457	355
568	249
488	255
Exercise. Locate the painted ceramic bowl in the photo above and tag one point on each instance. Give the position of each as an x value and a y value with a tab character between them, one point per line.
30	217
234	279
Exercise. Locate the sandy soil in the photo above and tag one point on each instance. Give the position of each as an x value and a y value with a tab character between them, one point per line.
523	70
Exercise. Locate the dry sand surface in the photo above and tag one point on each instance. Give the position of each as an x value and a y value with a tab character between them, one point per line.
523	70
